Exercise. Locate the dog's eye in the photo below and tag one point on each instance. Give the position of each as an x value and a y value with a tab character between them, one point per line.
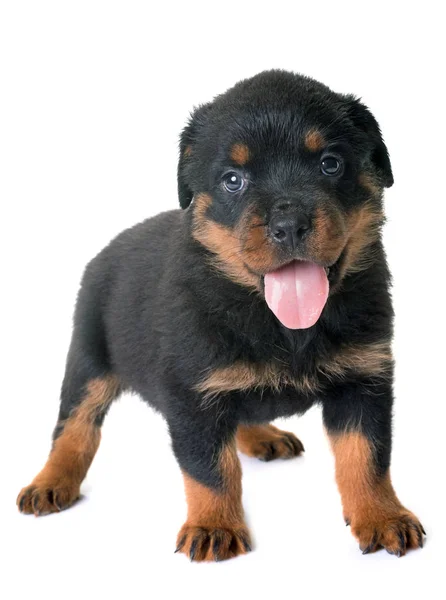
233	182
330	165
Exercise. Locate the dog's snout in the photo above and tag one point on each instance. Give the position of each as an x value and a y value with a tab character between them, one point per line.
289	229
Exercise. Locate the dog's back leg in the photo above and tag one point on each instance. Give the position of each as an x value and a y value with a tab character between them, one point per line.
88	389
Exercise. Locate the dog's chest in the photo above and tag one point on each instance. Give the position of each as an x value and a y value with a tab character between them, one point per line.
307	373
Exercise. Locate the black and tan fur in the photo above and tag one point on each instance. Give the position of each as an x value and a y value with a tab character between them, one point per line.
174	309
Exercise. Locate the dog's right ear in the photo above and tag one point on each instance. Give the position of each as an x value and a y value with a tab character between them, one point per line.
188	139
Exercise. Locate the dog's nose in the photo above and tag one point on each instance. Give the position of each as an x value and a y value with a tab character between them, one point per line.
289	230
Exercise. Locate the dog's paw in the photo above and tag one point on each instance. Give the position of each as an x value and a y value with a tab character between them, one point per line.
267	442
45	497
284	445
397	534
212	544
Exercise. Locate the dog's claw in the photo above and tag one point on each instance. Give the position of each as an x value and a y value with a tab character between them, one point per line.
246	544
372	544
193	549
402	543
419	535
215	548
180	544
34	502
22	502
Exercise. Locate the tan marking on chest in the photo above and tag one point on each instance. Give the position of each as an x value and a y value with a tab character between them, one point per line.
373	360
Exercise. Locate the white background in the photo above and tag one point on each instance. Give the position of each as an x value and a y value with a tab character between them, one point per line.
93	96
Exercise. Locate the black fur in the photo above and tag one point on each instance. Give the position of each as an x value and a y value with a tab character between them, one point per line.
152	311
155	311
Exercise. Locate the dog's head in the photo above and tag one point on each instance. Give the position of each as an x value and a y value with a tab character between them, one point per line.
285	178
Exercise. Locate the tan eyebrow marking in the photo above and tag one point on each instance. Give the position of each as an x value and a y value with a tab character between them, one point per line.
240	154
314	140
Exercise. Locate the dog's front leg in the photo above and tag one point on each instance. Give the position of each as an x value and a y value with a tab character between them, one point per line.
204	444
357	417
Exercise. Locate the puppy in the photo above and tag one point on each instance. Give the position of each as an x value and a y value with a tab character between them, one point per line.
267	293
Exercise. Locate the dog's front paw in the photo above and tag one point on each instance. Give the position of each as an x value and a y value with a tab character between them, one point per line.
43	497
396	533
209	543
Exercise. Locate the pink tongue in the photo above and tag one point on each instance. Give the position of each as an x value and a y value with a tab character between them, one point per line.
297	293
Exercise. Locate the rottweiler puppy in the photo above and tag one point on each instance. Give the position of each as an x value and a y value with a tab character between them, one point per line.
267	292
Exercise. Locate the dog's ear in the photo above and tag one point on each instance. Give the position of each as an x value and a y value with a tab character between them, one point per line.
188	139
364	120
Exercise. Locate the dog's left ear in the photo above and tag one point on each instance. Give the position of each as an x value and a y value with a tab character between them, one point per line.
364	120
188	139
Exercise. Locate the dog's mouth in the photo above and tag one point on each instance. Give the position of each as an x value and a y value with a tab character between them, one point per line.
298	291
